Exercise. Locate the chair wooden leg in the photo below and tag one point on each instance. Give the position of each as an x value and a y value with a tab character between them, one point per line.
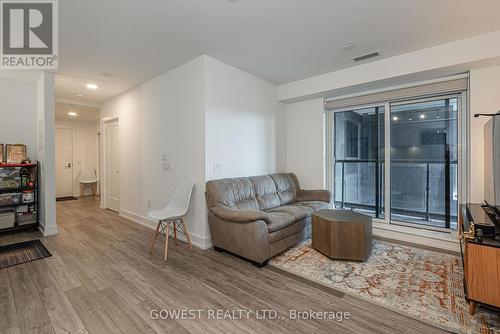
175	232
81	190
186	233
154	237
94	190
166	241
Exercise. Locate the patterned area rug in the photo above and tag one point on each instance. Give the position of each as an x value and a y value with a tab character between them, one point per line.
22	252
418	283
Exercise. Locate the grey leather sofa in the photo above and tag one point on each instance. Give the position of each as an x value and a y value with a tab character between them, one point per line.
261	216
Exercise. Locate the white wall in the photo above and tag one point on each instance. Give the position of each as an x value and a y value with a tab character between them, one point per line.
484	98
201	113
304	142
27	110
45	145
163	116
18	111
244	123
85	144
173	123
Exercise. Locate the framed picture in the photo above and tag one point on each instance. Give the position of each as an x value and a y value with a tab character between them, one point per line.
1	153
16	153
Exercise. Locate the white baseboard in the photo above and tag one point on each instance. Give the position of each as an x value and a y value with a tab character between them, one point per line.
196	240
46	231
438	240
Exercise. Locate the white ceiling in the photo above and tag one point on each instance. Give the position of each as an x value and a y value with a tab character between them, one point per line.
277	40
84	113
68	86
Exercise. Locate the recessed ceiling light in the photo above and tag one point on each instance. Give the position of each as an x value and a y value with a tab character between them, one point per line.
422	116
79	95
395	118
72	113
92	86
348	46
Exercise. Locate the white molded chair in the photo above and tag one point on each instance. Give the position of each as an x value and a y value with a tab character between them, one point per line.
173	214
88	177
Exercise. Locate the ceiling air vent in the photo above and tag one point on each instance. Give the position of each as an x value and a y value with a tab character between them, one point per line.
367	56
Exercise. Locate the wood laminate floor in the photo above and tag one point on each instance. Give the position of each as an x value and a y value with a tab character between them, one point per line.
101	279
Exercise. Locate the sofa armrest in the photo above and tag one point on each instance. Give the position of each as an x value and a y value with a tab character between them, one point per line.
247	239
236	215
315	195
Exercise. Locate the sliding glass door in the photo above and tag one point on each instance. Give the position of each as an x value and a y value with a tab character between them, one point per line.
359	156
414	174
424	159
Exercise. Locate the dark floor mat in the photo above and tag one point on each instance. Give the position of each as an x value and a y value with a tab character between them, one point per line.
63	199
22	252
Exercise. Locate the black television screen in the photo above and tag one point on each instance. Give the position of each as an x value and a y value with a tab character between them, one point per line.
492	162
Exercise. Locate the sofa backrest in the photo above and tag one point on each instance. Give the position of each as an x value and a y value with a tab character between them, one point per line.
235	193
287	187
253	193
265	192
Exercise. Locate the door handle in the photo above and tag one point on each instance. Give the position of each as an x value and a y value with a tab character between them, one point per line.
68	165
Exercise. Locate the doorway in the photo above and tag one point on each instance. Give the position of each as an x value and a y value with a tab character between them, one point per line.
111	145
64	162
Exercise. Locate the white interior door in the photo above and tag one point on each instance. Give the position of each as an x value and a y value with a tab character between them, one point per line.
64	162
112	165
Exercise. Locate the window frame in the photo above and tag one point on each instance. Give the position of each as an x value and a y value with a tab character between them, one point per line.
463	153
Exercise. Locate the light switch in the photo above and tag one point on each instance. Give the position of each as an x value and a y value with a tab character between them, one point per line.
166	165
217	167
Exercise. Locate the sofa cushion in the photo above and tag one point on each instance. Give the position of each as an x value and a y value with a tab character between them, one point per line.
279	220
265	192
315	205
289	230
287	186
236	193
298	212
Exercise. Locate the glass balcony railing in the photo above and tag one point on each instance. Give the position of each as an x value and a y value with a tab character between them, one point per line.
417	190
